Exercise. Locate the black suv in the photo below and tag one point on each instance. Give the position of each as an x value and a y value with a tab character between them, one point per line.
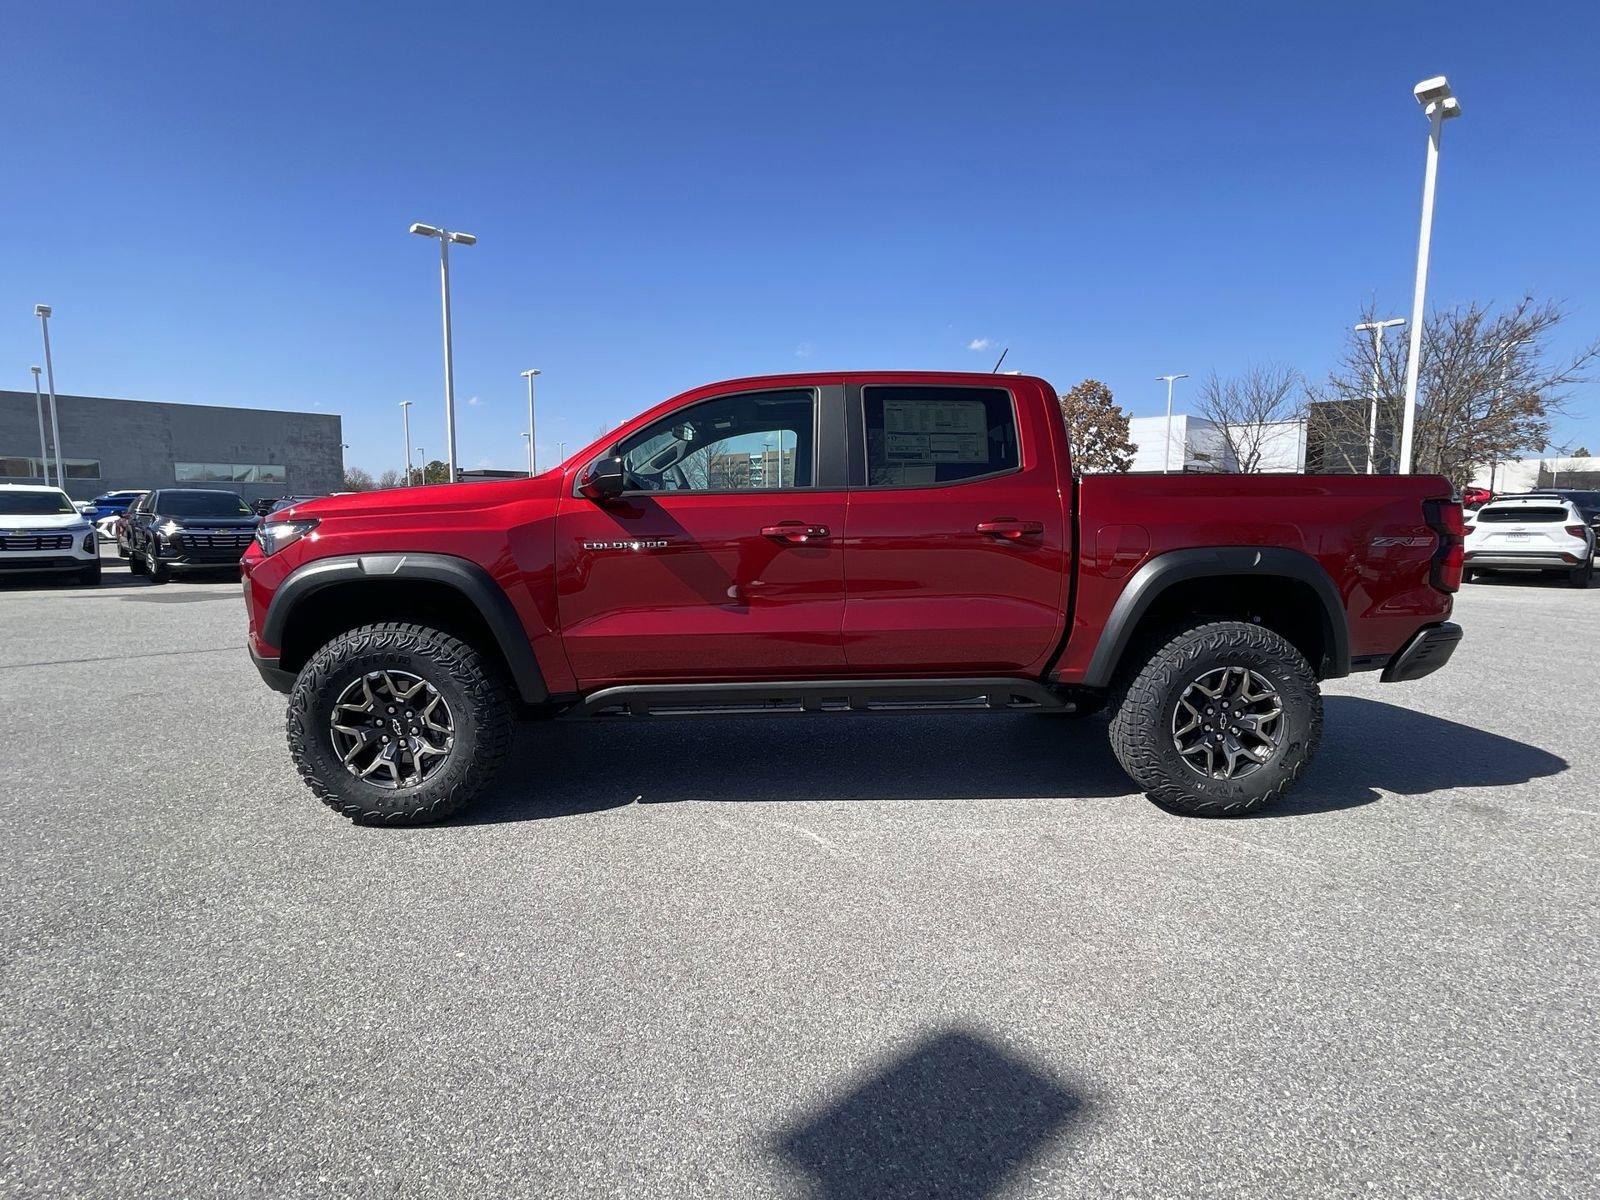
186	528
265	508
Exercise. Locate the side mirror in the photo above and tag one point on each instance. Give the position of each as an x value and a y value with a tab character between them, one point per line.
604	480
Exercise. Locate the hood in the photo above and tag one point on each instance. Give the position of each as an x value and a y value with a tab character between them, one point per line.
434	497
14	521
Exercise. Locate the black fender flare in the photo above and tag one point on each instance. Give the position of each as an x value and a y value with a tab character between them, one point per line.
468	578
1177	566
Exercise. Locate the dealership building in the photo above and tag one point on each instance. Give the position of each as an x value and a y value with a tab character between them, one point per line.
112	445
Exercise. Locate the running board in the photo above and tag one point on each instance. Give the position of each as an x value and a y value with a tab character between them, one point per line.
822	696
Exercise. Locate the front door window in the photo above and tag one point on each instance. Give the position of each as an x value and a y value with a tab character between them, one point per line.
755	441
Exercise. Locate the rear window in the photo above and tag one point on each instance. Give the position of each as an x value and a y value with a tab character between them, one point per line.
1526	514
923	436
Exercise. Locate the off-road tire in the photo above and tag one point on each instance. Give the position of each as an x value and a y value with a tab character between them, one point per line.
1146	697
473	686
90	575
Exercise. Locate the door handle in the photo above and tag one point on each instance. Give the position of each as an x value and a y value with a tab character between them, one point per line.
1010	528
794	532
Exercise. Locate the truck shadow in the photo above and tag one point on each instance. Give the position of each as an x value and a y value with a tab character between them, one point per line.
562	769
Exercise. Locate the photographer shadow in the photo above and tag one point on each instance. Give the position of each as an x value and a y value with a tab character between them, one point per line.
957	1115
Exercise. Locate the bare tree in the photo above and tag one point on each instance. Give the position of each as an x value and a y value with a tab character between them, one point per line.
357	480
1249	410
1488	390
391	478
1097	429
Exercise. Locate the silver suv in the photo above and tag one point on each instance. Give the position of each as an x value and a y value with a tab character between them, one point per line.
1530	533
42	531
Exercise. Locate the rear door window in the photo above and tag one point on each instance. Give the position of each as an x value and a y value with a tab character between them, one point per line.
927	436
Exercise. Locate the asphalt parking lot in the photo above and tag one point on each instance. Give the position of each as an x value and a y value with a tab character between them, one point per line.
853	957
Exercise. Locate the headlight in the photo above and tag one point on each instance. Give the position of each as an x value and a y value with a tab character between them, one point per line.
90	546
171	528
273	536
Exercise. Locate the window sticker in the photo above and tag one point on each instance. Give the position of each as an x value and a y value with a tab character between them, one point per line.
916	431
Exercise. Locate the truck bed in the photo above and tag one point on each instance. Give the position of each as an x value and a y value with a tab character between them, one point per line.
1367	532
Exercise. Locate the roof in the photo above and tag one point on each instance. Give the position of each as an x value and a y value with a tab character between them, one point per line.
30	487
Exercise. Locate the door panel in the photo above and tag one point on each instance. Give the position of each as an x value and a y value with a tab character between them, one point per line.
724	559
929	592
684	586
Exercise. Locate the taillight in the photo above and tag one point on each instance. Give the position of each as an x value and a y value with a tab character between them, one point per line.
1445	519
1578	531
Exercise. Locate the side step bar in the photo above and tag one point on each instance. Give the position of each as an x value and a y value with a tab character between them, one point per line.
821	696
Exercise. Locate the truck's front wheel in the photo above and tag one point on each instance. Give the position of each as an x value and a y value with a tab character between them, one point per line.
1219	721
398	724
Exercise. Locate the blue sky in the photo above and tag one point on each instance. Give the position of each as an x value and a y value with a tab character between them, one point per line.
215	197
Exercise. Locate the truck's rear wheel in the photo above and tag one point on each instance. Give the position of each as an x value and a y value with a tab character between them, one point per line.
398	724
1219	721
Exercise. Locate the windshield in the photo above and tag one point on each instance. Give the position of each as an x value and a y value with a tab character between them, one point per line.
35	504
203	504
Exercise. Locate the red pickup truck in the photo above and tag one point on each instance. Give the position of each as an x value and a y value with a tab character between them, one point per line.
856	542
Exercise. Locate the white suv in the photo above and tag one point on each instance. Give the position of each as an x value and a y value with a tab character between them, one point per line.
40	530
1530	533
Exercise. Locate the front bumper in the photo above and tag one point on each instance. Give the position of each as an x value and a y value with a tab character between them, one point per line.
205	548
18	565
1427	651
50	557
198	562
272	674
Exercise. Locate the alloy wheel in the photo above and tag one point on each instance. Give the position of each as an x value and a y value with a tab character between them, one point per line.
1228	722
392	729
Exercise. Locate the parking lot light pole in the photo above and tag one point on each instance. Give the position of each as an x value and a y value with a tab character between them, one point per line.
533	454
405	419
445	237
42	311
44	447
1439	105
1166	451
1376	328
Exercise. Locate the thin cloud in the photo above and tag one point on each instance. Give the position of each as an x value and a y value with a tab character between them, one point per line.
804	350
982	344
474	401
